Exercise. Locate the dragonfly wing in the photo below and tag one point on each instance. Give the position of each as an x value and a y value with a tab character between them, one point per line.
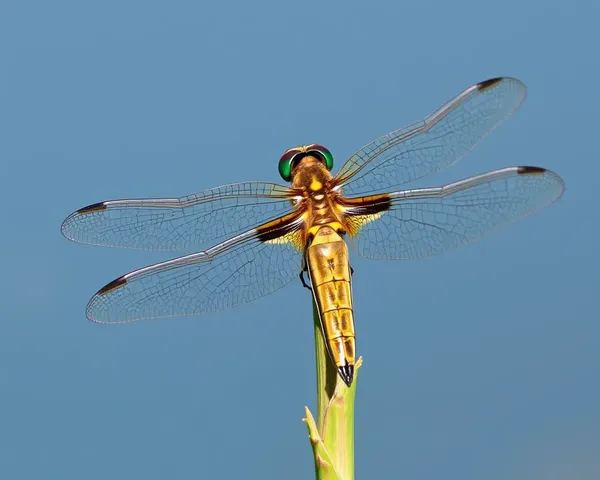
417	223
178	223
434	143
239	270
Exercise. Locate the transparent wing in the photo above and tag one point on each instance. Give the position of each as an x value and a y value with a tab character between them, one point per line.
434	143
236	271
427	221
178	223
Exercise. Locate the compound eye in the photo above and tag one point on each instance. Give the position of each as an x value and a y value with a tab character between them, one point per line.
324	154
286	163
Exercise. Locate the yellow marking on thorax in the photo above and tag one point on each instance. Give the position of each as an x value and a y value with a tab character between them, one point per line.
315	185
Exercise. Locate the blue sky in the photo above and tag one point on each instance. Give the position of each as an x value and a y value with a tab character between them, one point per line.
480	363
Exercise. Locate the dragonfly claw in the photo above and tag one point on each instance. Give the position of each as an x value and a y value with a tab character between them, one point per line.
304	284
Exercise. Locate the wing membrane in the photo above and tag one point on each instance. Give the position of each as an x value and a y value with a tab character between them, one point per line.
178	223
236	271
427	221
434	143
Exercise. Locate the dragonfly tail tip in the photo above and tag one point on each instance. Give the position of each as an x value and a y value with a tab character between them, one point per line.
347	373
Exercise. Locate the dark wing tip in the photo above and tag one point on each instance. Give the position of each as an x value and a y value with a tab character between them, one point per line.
347	373
492	82
109	287
531	170
96	207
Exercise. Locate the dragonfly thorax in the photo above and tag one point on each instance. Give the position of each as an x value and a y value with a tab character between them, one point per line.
314	180
311	176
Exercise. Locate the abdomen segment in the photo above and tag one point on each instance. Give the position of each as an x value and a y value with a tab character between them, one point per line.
329	270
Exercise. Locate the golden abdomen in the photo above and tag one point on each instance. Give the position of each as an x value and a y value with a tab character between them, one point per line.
329	270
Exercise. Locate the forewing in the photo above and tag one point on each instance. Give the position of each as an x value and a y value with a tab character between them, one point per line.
434	143
181	223
417	223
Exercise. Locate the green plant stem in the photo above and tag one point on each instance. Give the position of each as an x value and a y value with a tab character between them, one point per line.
332	435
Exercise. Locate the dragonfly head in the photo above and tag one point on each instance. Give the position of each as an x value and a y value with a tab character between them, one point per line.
292	157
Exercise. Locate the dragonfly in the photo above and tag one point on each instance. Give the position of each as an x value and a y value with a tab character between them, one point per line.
263	235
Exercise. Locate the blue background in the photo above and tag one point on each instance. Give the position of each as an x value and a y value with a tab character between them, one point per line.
481	363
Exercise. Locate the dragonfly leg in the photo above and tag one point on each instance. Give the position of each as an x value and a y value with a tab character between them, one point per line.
304	284
303	270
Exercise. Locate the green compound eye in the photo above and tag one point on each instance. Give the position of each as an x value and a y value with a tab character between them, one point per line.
286	162
293	155
324	154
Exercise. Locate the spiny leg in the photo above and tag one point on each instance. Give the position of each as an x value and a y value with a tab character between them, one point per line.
304	284
303	270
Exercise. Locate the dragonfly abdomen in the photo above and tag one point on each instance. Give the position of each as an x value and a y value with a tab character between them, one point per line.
329	270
